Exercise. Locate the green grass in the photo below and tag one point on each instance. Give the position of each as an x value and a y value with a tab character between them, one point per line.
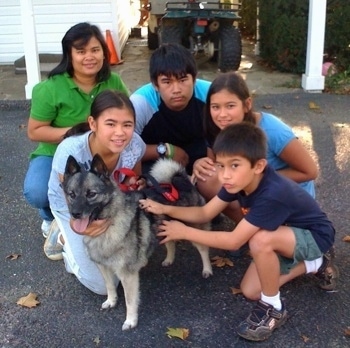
338	83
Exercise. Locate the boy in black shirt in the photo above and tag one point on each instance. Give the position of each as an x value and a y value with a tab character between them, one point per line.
169	110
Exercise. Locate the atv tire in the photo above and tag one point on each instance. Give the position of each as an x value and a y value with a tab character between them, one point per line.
230	48
152	40
169	33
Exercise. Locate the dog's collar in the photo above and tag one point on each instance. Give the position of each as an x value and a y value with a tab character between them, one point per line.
128	173
168	191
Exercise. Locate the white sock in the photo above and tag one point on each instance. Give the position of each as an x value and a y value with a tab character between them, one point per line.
313	265
274	301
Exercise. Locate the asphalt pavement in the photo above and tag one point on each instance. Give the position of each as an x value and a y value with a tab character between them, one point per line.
69	315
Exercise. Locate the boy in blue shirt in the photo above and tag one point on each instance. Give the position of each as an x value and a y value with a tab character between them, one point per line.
288	234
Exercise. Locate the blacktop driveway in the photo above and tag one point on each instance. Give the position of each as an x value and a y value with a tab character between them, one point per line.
176	297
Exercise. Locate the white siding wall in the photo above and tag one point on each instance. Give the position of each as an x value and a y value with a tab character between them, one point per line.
54	18
10	31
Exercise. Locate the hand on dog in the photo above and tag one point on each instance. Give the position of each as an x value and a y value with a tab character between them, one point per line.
152	207
98	227
140	183
171	230
202	168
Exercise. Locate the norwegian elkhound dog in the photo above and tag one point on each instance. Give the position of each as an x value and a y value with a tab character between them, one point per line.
131	238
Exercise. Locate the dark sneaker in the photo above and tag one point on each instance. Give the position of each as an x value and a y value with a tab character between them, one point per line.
52	248
262	321
328	273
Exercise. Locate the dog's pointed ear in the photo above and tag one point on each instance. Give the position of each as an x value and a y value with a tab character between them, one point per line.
99	167
72	166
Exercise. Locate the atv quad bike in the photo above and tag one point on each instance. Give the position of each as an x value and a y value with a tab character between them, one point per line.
203	27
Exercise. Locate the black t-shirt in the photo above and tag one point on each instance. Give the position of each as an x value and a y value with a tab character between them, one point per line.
181	128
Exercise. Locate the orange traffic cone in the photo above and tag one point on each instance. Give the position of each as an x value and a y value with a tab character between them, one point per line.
113	59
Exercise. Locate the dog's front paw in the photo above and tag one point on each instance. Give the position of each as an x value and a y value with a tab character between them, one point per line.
129	324
167	262
109	303
206	273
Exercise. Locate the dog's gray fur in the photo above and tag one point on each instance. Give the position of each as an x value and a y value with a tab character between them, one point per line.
131	238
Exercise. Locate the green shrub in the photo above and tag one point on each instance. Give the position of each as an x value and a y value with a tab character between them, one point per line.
283	33
248	13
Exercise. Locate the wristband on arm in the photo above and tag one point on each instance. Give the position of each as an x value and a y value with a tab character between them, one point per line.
170	150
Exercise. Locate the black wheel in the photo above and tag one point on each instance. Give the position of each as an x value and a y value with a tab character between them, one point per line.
230	48
169	32
152	39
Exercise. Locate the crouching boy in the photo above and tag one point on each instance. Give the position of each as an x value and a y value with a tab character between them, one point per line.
288	234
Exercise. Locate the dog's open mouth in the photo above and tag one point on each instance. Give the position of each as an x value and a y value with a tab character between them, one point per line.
80	225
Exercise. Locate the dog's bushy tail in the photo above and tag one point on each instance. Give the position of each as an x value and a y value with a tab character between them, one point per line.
165	169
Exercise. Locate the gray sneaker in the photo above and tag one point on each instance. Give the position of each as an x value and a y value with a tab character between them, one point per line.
262	321
52	248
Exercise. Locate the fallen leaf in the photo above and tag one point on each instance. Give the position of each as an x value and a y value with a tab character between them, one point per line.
97	340
267	107
219	261
13	256
313	106
178	332
346	239
347	332
236	291
305	338
29	300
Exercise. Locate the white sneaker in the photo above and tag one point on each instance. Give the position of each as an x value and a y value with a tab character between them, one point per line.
45	227
52	247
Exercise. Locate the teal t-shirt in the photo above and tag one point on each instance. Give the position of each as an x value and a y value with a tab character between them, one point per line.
61	102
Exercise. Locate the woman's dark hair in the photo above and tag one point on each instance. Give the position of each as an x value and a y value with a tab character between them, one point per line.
105	100
233	83
172	60
78	36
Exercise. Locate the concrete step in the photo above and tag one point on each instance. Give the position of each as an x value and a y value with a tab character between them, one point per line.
47	62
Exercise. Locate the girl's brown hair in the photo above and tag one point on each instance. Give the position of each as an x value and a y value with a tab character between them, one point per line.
235	84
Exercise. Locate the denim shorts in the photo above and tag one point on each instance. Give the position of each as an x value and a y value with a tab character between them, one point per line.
305	249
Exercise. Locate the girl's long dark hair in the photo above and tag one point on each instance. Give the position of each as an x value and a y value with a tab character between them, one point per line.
105	100
78	36
233	83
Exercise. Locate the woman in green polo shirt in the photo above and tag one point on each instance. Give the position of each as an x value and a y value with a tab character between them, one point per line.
62	101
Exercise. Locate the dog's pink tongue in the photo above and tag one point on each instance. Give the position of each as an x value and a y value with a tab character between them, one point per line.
80	225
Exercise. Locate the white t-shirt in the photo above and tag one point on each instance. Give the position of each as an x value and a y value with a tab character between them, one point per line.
78	147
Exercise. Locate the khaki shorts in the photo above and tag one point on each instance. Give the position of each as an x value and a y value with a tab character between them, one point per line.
305	249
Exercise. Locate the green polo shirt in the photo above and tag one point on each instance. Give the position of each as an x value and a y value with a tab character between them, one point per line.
61	102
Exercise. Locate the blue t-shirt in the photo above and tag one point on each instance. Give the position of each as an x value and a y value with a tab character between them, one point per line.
279	135
280	201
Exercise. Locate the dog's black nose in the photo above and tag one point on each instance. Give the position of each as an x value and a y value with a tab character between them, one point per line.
76	215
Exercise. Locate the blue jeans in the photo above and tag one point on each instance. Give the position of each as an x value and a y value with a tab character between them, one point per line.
36	185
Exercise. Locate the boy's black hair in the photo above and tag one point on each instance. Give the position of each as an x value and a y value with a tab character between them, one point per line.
243	139
171	60
78	36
